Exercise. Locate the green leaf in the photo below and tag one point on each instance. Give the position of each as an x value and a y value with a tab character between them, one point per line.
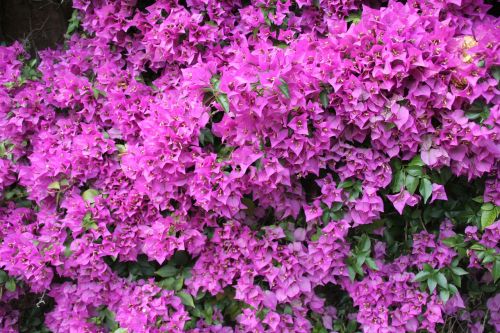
444	295
167	283
179	283
167	271
458	271
323	97
489	214
358	270
354	17
415	171
417	161
411	183
90	194
120	330
186	298
249	204
9	85
352	273
450	241
495	272
345	184
215	81
371	263
223	101
487	206
425	189
478	111
398	181
428	268
98	93
488	258
317	235
3	276
74	23
206	137
478	199
10	285
477	247
325	217
337	206
54	186
88	222
365	243
431	283
441	280
67	251
495	70
453	290
421	276
284	88
121	148
351	326
360	260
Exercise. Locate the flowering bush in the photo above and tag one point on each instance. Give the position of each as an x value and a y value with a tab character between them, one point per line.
254	166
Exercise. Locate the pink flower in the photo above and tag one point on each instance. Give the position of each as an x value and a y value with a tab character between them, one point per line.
402	199
438	193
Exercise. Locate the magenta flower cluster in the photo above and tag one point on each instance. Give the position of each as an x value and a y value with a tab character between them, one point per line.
254	138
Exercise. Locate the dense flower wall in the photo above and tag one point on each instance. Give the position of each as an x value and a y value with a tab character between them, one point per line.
254	166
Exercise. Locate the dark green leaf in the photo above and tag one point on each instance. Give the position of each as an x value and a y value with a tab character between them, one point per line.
10	285
325	217
167	271
345	184
186	298
453	290
425	189
489	214
371	263
98	93
88	222
488	258
415	171
477	247
223	101
206	137
365	243
421	276
323	97
3	276
431	283
284	88
411	183
360	260
495	70
458	271
444	295
352	273
441	280
167	283
495	272
73	24
417	161
354	17
336	206
179	283
398	181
